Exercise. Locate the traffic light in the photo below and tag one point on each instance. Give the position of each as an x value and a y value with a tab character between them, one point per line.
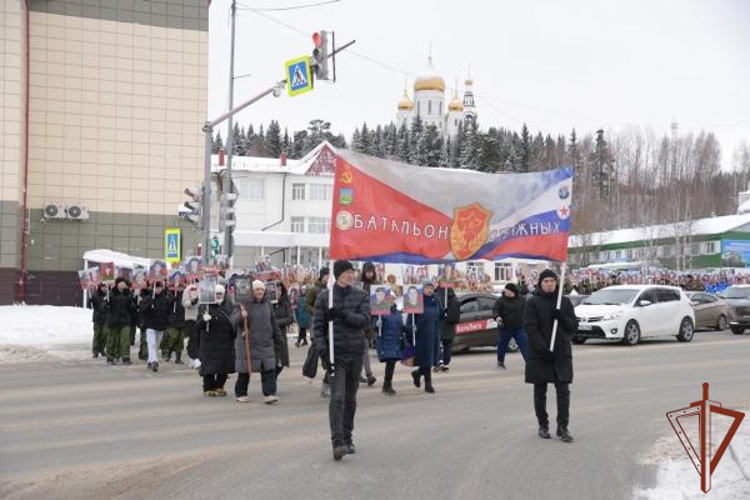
226	211
320	54
191	209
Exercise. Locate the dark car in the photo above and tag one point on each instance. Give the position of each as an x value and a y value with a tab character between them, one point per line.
738	297
711	311
477	327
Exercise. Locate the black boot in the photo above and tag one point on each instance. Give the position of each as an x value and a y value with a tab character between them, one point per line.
177	358
428	382
415	375
167	355
339	451
564	435
544	431
388	388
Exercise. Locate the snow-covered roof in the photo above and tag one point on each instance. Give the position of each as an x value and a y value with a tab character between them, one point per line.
119	259
272	165
699	227
744	208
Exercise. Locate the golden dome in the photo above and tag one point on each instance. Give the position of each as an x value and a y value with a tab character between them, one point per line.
456	104
405	104
429	83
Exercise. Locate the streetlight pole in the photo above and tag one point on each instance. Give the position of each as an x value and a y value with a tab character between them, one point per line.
228	243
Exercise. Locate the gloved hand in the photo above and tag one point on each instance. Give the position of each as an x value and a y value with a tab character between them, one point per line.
194	301
557	314
206	317
548	355
334	314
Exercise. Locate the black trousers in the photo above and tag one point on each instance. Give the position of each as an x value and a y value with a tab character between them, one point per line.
563	403
212	382
344	381
390	367
267	381
302	335
447	346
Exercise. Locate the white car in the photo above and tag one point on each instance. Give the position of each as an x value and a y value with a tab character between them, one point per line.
631	312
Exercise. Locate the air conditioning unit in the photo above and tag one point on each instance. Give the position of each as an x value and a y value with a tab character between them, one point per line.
54	211
78	212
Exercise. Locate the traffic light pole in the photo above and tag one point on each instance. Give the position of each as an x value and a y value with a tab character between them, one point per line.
228	243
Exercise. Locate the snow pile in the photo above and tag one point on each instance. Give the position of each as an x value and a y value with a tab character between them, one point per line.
35	333
677	477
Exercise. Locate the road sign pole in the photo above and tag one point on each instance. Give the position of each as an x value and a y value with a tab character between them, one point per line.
228	246
208	129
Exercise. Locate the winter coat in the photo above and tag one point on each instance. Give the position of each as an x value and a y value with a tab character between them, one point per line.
367	284
427	332
312	296
157	311
265	337
542	366
119	308
98	302
216	350
282	310
190	305
389	339
451	314
510	311
348	328
177	317
303	315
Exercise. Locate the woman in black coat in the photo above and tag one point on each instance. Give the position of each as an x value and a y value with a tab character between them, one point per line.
550	366
216	331
427	337
284	318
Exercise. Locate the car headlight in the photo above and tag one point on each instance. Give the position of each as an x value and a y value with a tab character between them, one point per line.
612	316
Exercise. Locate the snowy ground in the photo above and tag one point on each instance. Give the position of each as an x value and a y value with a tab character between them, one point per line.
36	333
678	479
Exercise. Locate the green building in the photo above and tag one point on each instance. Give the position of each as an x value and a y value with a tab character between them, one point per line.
703	243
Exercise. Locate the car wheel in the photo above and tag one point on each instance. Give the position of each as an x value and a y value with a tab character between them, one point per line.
632	333
578	340
738	330
687	331
721	323
512	346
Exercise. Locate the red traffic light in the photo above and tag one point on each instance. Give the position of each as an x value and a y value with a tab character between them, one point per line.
317	39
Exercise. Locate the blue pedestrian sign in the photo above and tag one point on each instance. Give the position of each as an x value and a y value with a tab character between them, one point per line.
172	245
298	76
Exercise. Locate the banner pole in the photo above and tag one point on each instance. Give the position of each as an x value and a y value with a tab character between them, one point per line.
330	321
563	268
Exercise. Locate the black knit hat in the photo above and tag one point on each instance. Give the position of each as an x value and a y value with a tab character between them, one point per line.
341	266
512	287
324	271
547	273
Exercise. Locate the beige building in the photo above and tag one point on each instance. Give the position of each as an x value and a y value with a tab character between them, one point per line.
101	106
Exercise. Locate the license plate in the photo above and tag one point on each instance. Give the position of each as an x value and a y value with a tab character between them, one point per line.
585	328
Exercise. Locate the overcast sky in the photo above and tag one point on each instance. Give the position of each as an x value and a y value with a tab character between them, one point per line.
554	65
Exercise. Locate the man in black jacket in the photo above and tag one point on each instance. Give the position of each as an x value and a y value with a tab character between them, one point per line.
451	317
119	308
508	311
545	365
157	310
350	315
98	302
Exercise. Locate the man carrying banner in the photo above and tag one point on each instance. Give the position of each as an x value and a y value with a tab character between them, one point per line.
547	364
350	315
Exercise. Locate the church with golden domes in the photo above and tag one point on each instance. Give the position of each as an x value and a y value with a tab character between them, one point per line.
429	104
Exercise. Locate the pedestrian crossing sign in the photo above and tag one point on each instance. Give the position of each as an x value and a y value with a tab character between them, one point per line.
298	76
172	245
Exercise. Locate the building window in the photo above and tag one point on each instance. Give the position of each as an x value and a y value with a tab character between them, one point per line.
695	249
321	192
429	107
503	272
666	251
419	108
319	225
603	256
298	224
711	247
618	254
475	269
638	253
298	191
253	189
441	107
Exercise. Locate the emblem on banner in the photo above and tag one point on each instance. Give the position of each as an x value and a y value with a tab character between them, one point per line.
344	220
346	176
470	230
